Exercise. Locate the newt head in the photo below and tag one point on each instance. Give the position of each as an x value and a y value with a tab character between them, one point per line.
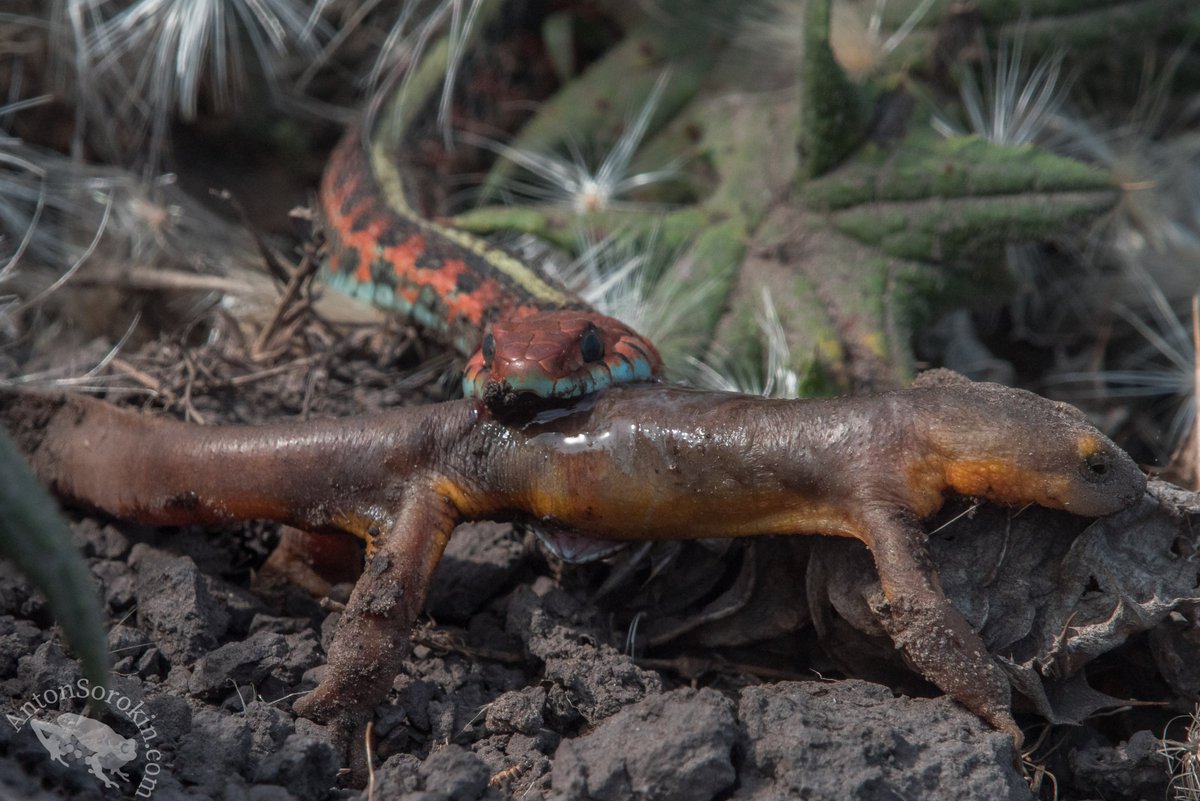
556	355
1014	447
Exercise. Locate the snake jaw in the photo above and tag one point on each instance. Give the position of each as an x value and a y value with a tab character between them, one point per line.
498	395
556	355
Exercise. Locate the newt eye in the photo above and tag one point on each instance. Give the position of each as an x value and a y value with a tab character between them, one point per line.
591	347
1098	464
489	349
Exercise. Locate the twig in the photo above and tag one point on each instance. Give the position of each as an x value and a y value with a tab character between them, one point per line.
1036	772
154	385
268	372
270	258
162	279
370	763
302	274
189	410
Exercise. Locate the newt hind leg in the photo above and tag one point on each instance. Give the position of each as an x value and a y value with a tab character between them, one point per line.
314	561
928	629
369	645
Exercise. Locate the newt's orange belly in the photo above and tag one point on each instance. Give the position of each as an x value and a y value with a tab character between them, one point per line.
654	516
632	482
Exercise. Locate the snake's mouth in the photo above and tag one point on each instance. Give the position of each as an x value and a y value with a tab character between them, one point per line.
500	395
504	400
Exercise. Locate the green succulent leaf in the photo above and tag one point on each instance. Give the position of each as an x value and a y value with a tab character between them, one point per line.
949	200
34	536
858	236
833	110
926	165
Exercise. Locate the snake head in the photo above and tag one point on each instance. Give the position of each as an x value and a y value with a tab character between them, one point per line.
556	355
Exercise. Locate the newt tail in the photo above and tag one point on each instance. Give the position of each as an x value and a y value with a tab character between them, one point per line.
646	463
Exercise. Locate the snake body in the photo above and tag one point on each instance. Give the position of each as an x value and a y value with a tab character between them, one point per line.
539	342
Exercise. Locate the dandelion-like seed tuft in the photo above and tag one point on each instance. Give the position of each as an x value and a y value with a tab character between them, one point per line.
773	378
158	56
1010	104
572	182
1161	369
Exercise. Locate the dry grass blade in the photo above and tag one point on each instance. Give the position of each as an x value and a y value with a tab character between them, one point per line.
79	262
1195	386
1183	760
35	218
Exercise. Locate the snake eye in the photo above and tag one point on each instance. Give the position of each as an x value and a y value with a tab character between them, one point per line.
488	348
591	347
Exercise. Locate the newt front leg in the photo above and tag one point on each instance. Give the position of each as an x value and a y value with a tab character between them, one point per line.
932	634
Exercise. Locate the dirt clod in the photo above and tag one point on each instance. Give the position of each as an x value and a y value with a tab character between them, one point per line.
854	740
671	747
455	772
174	601
517	711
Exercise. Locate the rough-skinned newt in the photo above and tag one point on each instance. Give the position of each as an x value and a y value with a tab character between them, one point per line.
634	463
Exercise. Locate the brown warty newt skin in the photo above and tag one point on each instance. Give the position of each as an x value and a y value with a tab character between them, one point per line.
633	463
